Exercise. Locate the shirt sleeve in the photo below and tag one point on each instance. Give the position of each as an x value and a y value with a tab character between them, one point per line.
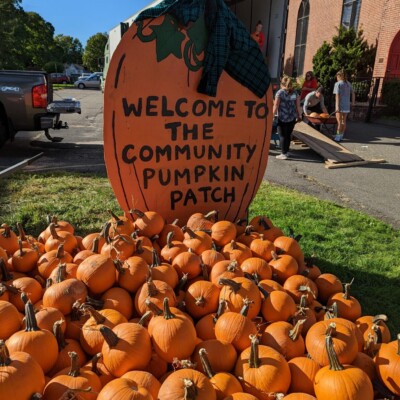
336	88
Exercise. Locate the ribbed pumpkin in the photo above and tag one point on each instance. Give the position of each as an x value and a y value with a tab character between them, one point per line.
8	240
302	372
374	325
132	273
202	298
187	384
10	320
210	257
51	260
235	291
187	262
30	286
67	239
222	232
277	306
97	272
124	389
236	251
224	383
172	335
172	248
387	361
73	380
40	344
264	371
120	247
283	266
163	271
20	375
349	382
146	380
148	223
262	248
118	299
198	241
225	269
297	285
24	259
120	225
236	328
256	267
344	340
328	285
215	348
290	245
126	347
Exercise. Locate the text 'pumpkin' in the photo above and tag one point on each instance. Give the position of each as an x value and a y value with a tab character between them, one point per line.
170	149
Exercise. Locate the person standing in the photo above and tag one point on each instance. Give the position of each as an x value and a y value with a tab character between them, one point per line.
344	93
287	108
309	85
258	35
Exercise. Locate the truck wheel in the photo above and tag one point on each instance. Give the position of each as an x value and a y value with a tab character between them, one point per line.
4	134
81	86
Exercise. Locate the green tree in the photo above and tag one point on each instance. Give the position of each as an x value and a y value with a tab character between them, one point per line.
69	49
94	50
38	41
11	34
349	51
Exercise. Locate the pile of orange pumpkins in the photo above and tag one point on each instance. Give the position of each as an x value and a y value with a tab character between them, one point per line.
147	309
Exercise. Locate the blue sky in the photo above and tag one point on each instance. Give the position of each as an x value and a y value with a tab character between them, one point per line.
82	19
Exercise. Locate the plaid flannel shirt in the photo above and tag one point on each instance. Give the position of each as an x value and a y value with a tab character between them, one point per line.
230	47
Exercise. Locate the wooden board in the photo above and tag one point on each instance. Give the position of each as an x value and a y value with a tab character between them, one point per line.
329	149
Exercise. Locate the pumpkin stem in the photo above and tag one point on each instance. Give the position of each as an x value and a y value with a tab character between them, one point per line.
234	245
189	231
99	319
274	255
181	284
346	294
234	286
115	217
61	271
232	266
220	311
204	272
21	232
170	236
167	311
248	230
153	308
212	214
200	301
308	290
94	362
21	249
246	306
398	344
205	362
296	331
331	329
31	323
5	273
76	311
75	369
57	331
5	359
151	288
155	261
332	312
137	212
49	282
264	224
145	317
95	245
98	304
53	231
254	360
109	336
334	363
190	390
60	251
264	292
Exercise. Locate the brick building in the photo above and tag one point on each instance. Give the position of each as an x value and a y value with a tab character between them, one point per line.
311	22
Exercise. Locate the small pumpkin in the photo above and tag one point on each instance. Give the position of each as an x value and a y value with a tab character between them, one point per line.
124	389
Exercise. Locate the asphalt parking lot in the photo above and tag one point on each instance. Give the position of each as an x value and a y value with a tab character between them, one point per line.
372	188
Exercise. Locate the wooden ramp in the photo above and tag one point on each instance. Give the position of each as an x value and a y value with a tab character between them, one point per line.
335	155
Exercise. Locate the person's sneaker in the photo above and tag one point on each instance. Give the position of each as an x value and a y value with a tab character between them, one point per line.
337	138
282	157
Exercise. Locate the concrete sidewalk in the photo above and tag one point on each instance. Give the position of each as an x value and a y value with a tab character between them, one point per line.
373	188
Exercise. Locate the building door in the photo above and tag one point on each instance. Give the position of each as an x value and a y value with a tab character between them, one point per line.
393	65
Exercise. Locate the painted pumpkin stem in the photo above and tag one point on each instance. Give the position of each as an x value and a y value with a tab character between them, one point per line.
296	331
31	323
109	336
334	363
190	390
58	333
235	286
205	362
5	359
254	360
167	311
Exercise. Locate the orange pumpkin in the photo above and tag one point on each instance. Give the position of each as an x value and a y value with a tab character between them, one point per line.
192	157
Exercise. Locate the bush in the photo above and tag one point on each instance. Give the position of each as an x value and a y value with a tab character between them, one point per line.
391	96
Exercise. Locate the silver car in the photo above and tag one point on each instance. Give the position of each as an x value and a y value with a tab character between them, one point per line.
92	81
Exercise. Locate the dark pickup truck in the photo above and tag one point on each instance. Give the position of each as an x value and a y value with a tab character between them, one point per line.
26	104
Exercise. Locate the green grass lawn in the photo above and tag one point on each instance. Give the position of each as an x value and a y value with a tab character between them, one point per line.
346	243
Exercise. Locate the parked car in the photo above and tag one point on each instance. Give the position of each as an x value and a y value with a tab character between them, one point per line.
92	81
84	75
57	77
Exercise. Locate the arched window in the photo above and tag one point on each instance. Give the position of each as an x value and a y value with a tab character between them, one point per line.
350	13
301	38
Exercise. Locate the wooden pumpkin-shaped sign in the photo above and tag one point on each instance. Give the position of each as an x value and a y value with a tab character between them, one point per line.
169	148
